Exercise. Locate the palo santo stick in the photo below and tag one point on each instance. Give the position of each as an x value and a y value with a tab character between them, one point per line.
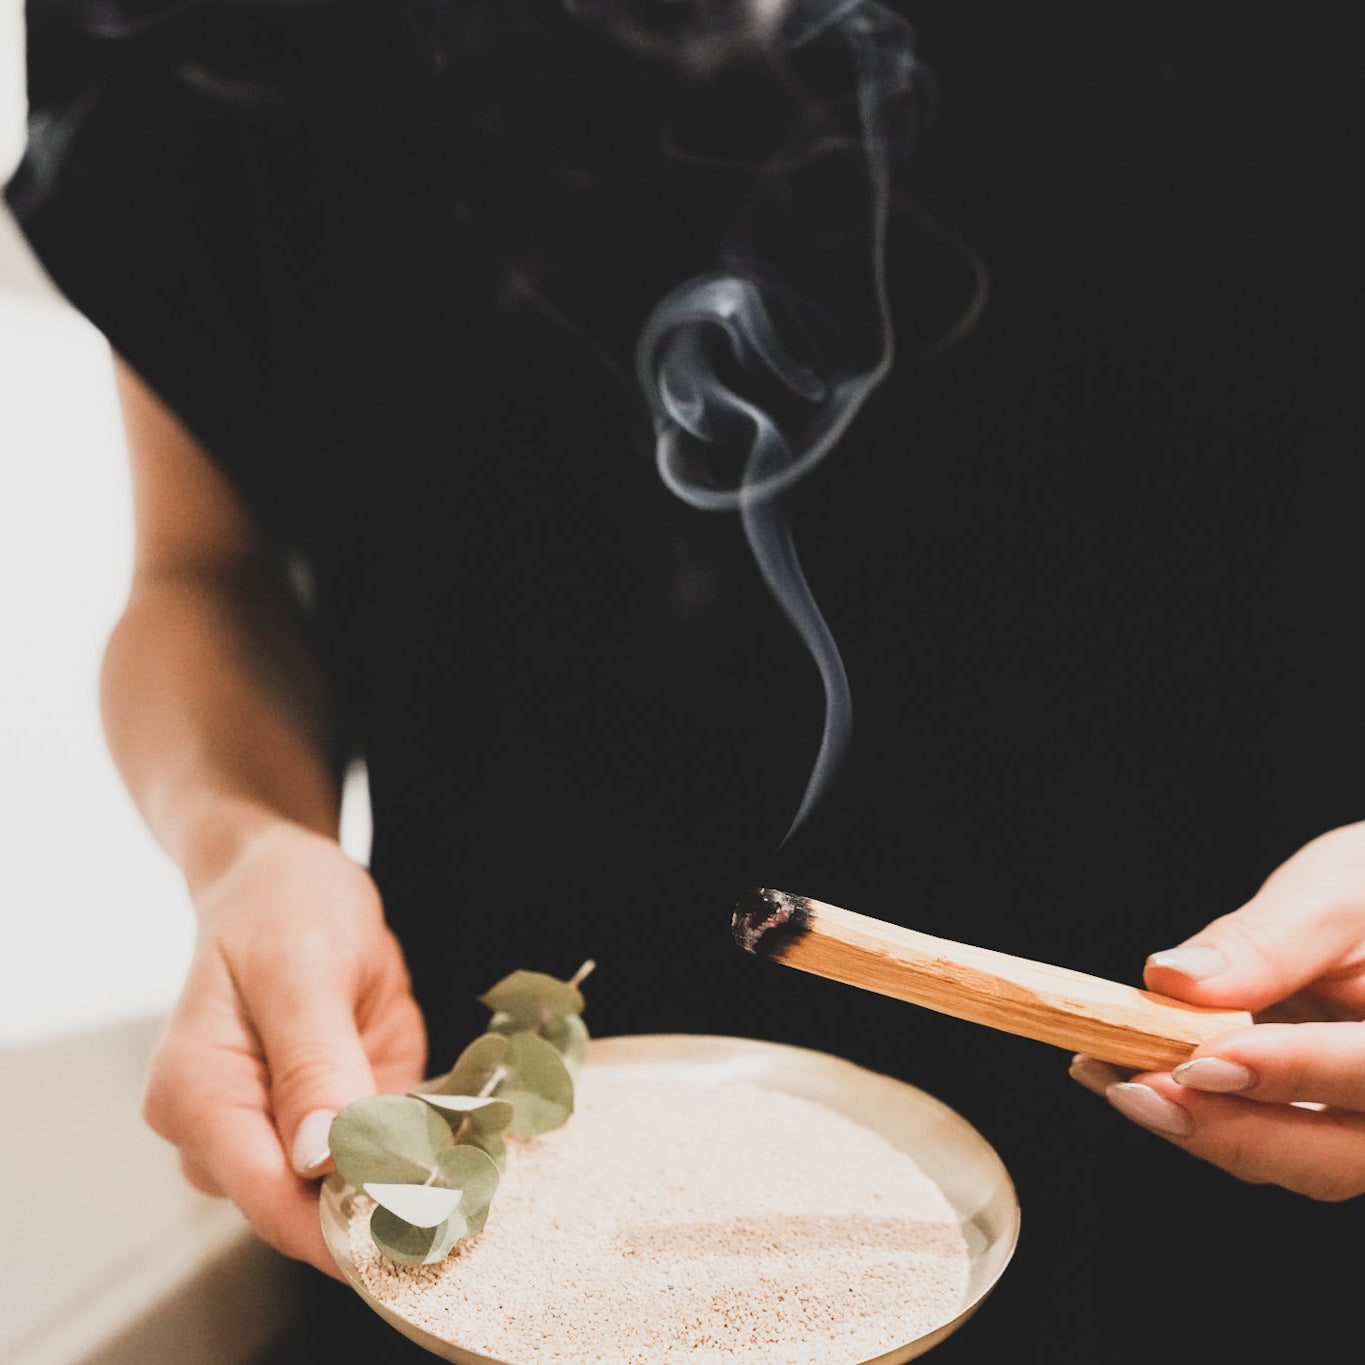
1105	1019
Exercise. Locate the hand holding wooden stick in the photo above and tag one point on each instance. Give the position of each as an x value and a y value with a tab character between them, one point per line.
1105	1019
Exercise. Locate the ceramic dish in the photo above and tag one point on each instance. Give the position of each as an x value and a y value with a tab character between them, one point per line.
945	1146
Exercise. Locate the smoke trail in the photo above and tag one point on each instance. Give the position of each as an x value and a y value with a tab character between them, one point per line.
757	155
749	363
697	34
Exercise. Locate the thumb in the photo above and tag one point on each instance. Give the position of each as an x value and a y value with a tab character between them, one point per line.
1280	941
317	1065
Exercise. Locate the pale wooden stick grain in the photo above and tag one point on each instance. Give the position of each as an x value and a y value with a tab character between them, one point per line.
1105	1019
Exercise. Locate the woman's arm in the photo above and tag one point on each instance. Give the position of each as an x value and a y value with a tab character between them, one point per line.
213	711
297	999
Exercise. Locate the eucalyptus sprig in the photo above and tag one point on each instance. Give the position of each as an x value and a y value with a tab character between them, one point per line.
431	1159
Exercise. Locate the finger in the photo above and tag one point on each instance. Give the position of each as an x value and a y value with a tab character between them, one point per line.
1281	941
1283	1064
198	1177
315	1056
1096	1076
211	1101
392	1028
243	1148
208	1095
1320	1154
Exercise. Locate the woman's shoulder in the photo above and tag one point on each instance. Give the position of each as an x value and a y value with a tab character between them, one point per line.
175	152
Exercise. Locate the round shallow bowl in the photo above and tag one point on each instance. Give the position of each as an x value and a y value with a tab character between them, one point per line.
945	1146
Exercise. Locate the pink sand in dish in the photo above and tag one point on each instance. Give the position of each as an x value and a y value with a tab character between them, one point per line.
672	1222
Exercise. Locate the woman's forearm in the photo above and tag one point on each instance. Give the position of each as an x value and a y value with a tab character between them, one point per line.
213	709
214	715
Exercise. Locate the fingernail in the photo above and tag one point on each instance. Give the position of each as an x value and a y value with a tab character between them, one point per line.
310	1143
1215	1074
1144	1106
1095	1075
1192	960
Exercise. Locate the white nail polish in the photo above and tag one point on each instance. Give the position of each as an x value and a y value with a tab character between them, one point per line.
1191	959
1216	1075
1144	1106
310	1142
1095	1076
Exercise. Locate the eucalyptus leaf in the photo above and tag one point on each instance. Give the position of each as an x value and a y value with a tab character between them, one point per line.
534	1079
572	1042
471	1114
530	997
538	1084
493	1145
431	1159
400	1241
566	1033
424	1206
475	1174
464	1104
476	1121
475	1067
388	1140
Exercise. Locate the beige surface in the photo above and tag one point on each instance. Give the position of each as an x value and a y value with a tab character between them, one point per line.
108	1255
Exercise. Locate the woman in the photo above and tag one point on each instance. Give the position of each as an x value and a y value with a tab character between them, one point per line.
375	275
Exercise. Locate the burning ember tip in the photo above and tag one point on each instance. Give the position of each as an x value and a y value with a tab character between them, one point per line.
766	920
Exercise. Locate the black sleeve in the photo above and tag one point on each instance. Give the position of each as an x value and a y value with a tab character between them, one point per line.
132	195
193	182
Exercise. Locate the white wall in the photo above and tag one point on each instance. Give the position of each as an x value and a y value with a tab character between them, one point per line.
95	922
96	926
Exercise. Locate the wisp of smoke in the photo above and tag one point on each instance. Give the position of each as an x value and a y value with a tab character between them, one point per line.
746	370
752	144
